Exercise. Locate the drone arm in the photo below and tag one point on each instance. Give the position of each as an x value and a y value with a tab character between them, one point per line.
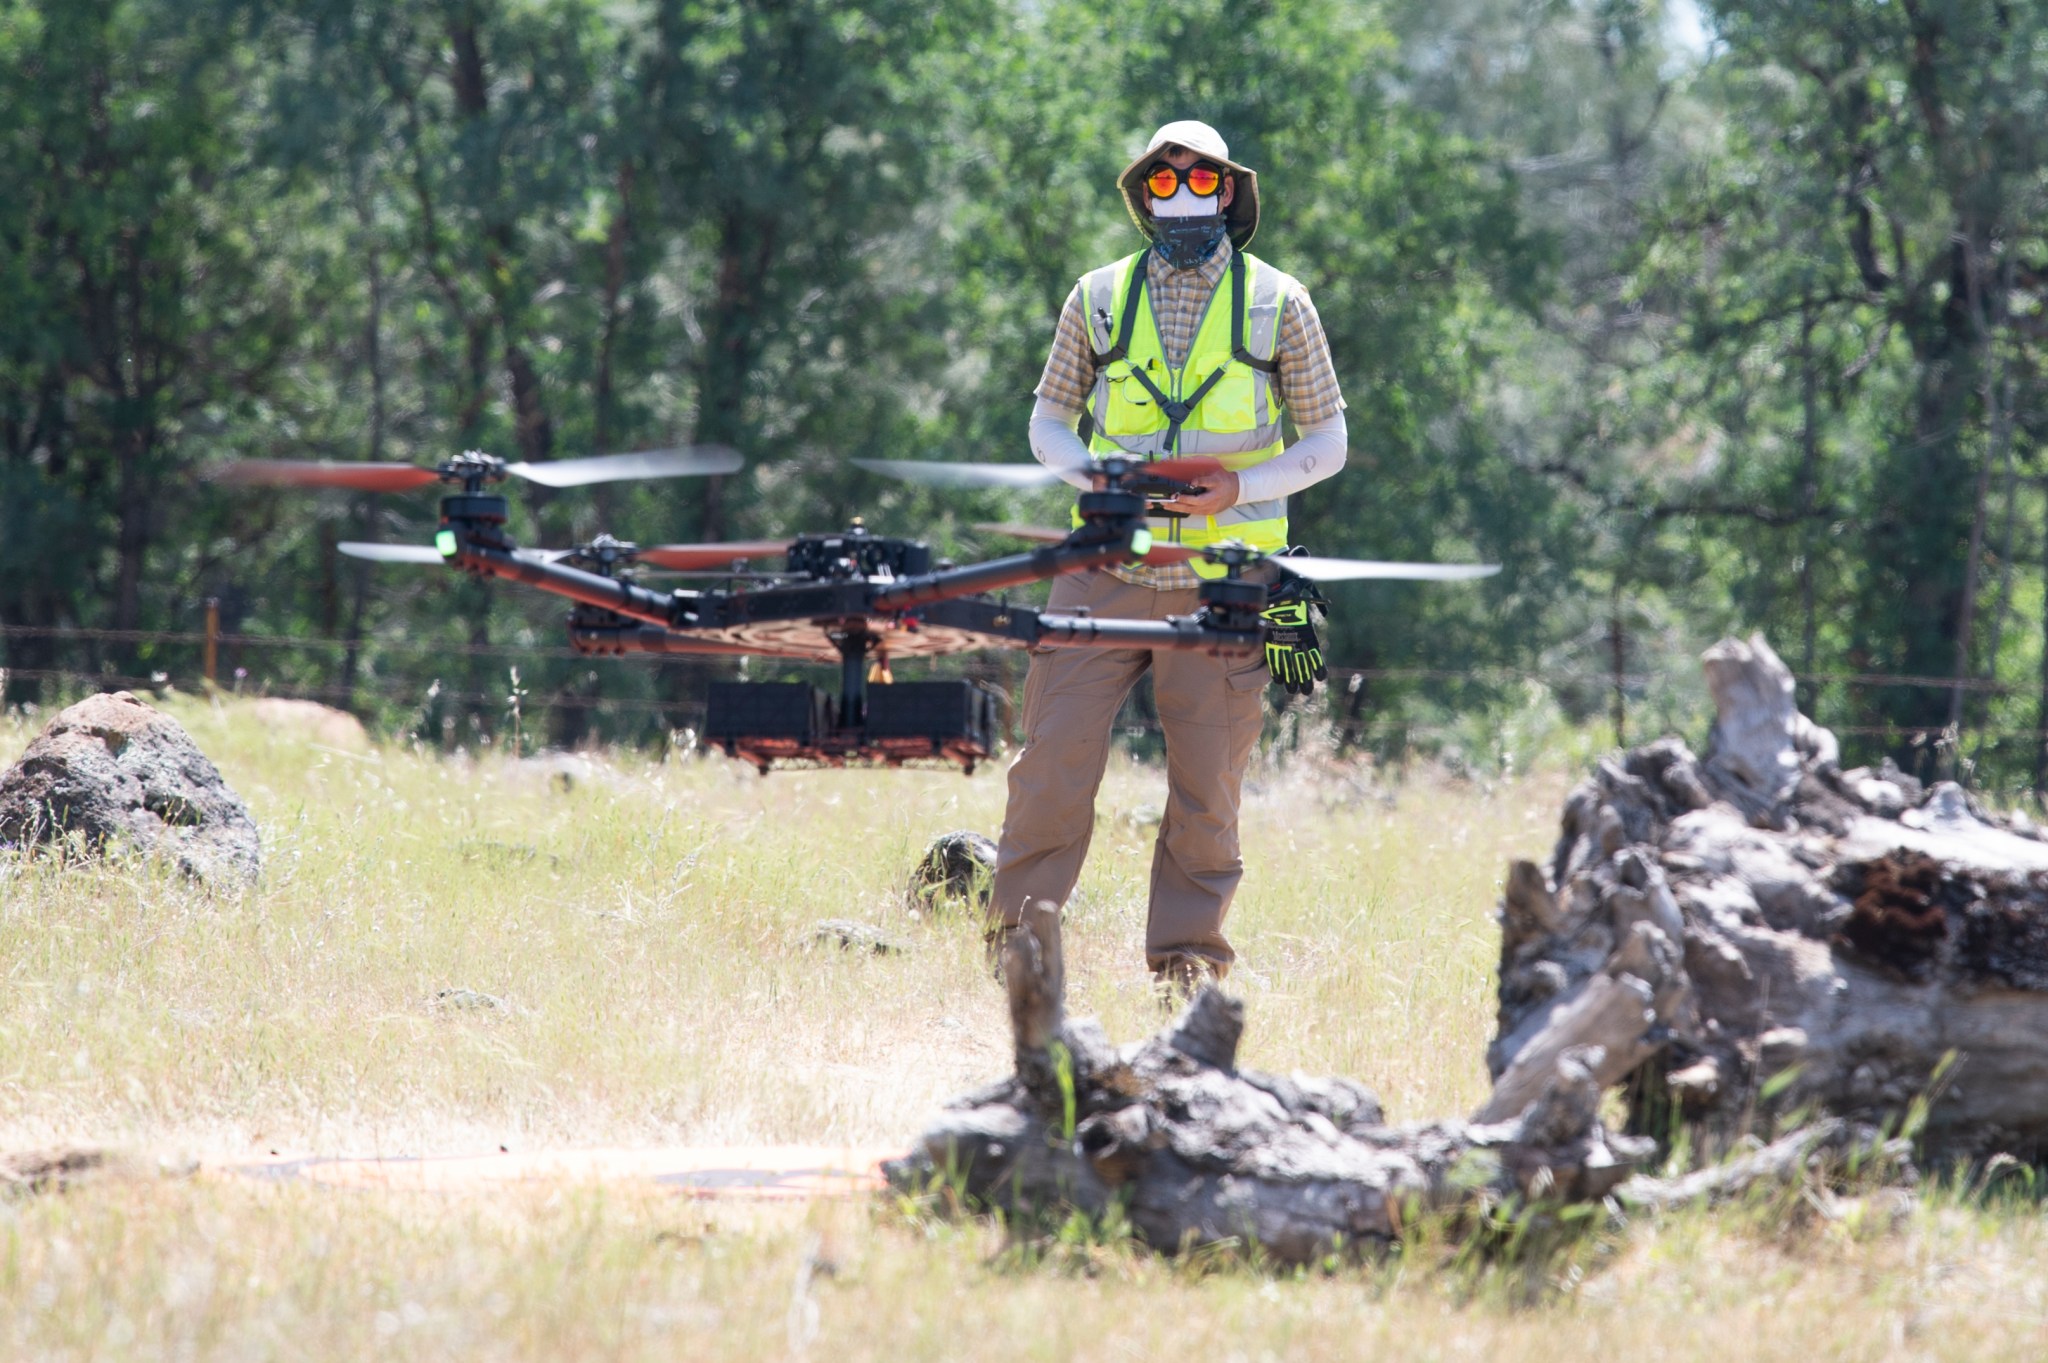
1197	633
1015	571
589	588
1187	633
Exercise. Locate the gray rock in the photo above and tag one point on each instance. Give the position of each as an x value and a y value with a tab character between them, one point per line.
312	721
470	1001
121	775
1144	816
848	935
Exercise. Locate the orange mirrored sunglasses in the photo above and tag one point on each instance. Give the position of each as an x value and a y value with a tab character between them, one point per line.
1164	180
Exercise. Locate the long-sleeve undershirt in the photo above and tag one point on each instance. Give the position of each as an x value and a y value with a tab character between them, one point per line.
1320	452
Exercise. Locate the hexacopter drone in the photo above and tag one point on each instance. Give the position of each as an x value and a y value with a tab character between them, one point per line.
853	598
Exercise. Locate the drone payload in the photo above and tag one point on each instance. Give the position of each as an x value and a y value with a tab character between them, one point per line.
853	598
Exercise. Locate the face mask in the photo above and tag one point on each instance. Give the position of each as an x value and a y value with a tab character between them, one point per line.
1185	243
1185	203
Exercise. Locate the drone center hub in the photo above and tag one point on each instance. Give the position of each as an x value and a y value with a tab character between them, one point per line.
475	508
857	554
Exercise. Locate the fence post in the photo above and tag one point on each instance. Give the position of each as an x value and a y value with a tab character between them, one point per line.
212	663
1618	649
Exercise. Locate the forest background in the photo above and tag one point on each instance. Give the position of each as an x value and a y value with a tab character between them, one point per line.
1697	317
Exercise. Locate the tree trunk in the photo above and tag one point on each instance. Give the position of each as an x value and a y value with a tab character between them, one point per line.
1617	657
534	429
2041	705
133	494
1810	533
1825	938
29	655
617	239
732	346
373	366
1913	613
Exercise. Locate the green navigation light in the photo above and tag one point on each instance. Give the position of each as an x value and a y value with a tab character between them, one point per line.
445	544
1141	543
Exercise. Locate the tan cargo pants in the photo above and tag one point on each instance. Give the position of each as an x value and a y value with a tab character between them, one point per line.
1210	709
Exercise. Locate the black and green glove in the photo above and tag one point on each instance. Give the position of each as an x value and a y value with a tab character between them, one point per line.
1293	654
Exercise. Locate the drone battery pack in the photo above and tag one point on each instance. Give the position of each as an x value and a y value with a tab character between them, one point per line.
783	719
790	722
932	719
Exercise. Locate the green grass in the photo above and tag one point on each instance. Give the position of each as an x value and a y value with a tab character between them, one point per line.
649	931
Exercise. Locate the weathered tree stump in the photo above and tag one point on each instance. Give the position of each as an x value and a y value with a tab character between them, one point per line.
1759	931
1199	1152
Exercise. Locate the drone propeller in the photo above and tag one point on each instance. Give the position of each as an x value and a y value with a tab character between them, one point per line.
1189	469
390	553
323	473
962	475
688	462
1339	569
682	557
1038	534
1370	570
690	557
691	461
1158	555
1300	565
685	557
421	553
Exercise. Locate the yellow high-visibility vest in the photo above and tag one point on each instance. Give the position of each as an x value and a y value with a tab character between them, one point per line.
1224	401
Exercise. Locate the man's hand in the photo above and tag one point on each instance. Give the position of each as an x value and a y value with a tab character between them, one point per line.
1293	653
1218	493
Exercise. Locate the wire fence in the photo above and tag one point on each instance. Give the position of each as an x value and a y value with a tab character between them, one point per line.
228	639
1496	675
430	689
679	710
105	681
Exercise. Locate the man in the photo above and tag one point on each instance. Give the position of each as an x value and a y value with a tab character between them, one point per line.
1190	346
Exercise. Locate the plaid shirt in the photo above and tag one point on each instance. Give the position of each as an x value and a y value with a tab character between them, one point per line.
1307	378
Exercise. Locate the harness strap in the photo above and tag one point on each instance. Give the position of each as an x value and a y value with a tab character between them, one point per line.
1237	350
1129	321
1177	412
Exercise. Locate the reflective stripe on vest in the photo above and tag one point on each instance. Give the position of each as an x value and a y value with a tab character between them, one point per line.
1235	410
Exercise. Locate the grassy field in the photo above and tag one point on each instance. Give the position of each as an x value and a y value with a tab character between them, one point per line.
647	930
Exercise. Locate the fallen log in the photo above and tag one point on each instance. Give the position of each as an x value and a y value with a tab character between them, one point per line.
1758	931
1195	1151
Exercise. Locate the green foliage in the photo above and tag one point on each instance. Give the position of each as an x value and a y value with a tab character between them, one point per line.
1689	339
1859	284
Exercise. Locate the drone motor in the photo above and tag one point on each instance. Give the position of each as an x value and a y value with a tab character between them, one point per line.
854	553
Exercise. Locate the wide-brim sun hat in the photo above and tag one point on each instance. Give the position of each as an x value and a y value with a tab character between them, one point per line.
1241	218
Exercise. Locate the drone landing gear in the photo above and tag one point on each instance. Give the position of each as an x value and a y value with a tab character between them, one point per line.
854	647
795	723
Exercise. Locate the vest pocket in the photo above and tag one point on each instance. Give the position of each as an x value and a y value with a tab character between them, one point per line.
1131	410
1231	405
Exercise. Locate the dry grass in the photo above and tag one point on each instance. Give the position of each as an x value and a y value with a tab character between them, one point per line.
648	930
